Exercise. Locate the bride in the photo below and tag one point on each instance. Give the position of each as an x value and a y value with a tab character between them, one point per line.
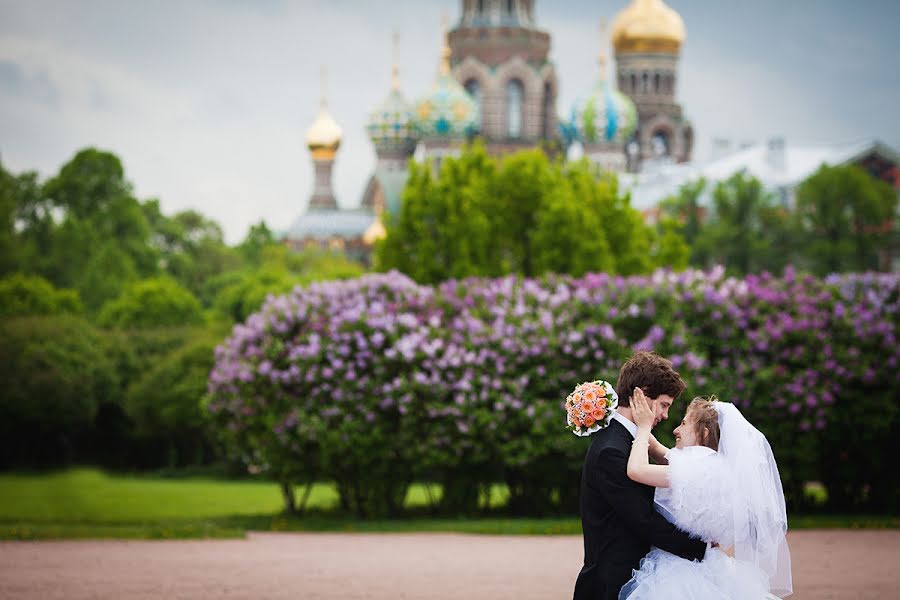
721	485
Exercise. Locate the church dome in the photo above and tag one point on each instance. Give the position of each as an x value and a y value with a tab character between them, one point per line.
605	116
648	26
447	111
324	136
391	125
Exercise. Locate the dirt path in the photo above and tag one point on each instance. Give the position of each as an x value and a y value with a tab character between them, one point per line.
827	564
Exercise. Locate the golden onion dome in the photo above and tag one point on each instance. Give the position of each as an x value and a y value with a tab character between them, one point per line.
648	26
324	136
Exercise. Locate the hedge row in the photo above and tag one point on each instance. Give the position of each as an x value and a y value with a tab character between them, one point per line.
376	382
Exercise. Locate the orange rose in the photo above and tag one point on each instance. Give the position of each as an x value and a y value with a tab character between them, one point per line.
577	422
598	413
589	421
590	396
588	406
601	392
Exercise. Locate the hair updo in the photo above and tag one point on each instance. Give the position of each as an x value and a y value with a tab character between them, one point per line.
706	420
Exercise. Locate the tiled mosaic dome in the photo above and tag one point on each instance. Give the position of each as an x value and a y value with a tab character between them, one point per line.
605	116
447	110
391	125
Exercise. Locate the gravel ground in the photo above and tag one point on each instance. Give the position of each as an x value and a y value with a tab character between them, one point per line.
841	564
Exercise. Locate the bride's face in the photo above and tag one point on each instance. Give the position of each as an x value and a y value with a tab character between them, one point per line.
684	434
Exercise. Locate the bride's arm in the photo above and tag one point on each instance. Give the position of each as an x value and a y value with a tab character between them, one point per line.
658	451
639	467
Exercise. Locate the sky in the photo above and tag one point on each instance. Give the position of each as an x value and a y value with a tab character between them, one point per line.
207	101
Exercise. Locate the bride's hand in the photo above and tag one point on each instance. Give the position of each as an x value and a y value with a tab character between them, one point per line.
641	410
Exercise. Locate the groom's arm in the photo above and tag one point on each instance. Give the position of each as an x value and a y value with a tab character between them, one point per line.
632	506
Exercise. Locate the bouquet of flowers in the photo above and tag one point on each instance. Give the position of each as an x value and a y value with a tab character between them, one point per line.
590	407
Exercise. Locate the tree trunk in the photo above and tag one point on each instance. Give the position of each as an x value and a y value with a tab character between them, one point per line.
287	492
306	492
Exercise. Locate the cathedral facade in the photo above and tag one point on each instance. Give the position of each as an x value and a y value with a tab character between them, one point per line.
496	82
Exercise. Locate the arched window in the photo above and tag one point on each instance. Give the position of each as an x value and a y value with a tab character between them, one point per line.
480	8
510	7
645	82
656	83
633	83
514	94
474	88
660	144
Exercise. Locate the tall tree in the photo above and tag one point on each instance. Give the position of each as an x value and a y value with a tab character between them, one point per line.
685	209
736	234
846	216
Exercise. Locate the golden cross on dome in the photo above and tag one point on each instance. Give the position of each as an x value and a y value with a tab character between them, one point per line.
445	47
601	60
395	68
323	76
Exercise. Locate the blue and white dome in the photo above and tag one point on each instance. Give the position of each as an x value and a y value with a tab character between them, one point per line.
605	116
447	111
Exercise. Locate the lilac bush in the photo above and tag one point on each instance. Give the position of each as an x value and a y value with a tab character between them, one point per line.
376	382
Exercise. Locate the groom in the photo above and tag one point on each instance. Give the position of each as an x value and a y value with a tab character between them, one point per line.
618	520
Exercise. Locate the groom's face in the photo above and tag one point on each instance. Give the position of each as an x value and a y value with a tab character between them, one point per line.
661	405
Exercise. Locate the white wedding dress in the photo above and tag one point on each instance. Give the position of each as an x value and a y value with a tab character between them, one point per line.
699	502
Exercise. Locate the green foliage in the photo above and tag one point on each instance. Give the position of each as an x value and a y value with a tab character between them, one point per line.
736	232
519	214
238	294
165	402
55	373
670	249
258	239
22	295
246	294
842	222
159	302
107	271
846	215
441	229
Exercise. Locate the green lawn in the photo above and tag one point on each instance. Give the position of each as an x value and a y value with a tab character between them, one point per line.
87	503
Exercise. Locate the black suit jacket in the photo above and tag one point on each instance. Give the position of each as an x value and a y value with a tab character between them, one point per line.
618	519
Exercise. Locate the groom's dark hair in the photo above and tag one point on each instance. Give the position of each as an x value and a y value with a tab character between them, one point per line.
650	372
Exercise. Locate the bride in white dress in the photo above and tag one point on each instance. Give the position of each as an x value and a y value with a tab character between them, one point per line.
721	485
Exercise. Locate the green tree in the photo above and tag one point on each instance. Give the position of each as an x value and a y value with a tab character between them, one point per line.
55	373
669	248
158	302
107	272
846	217
629	238
258	238
736	234
28	225
97	205
522	186
166	403
685	209
520	214
568	236
191	246
22	295
441	230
